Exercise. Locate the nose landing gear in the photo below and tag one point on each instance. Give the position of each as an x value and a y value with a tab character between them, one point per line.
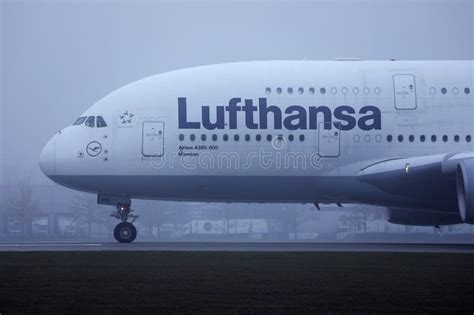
125	232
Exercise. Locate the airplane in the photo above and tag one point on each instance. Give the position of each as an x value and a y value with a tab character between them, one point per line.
395	134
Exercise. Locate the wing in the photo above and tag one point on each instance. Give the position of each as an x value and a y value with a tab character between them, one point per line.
435	188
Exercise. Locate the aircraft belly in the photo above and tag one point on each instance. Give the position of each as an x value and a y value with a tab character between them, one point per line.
219	188
287	189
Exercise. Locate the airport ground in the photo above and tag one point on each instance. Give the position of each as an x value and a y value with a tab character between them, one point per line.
230	279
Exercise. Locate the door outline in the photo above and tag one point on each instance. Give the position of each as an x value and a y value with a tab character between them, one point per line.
394	81
337	129
162	143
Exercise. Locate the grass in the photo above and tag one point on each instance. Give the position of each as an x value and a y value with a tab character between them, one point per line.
235	282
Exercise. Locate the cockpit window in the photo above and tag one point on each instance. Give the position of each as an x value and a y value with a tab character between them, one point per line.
90	122
101	122
79	121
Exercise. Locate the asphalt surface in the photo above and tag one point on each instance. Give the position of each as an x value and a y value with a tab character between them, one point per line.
235	278
240	247
266	279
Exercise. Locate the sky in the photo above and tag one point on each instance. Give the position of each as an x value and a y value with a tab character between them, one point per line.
57	58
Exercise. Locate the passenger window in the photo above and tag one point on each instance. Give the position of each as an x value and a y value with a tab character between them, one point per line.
101	122
90	122
79	121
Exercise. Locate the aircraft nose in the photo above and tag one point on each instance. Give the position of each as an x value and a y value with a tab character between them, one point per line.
48	158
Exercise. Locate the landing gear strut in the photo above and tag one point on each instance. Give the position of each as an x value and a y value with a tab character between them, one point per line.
125	232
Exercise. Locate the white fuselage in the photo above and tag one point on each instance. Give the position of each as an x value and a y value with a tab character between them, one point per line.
270	131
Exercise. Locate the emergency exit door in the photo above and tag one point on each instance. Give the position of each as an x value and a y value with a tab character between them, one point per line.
404	88
153	138
329	140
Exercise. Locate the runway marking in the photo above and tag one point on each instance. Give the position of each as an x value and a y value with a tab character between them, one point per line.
235	247
49	244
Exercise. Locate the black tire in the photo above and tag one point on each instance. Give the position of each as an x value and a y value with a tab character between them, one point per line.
125	232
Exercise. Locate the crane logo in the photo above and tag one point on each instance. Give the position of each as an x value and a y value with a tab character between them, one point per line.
94	148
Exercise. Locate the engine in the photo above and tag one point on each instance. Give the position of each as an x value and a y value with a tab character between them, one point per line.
422	218
465	189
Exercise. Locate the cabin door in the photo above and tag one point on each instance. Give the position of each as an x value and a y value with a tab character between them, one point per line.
329	140
404	88
153	138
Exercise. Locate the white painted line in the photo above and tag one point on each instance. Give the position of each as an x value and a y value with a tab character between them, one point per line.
47	245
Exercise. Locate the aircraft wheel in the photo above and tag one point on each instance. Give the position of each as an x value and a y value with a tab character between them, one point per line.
125	232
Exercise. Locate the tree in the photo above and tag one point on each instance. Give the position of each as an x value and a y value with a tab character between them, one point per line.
86	211
22	206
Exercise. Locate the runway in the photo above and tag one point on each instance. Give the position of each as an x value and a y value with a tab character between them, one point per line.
239	247
235	278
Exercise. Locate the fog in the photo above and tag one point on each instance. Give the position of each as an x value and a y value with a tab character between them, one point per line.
59	57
